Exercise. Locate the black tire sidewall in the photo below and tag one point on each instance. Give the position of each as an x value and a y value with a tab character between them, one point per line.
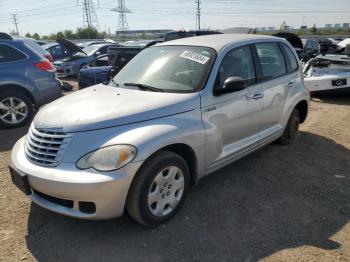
152	172
26	100
291	135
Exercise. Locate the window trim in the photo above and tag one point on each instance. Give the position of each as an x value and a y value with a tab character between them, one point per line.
13	47
288	64
261	76
254	66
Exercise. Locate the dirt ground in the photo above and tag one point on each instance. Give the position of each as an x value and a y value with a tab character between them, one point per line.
282	203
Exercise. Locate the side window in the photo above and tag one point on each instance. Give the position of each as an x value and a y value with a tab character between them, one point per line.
9	54
292	62
103	50
239	63
271	60
57	50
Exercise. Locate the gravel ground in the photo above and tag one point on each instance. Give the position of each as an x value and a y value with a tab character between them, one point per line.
282	203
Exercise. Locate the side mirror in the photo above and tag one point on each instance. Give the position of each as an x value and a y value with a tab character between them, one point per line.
97	53
231	84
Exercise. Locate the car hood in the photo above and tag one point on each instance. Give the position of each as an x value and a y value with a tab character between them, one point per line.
104	106
70	47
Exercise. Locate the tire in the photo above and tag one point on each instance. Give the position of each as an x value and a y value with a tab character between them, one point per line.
22	108
291	131
148	197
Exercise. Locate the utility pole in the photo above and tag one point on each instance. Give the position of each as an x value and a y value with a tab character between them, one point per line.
198	14
122	10
89	14
15	21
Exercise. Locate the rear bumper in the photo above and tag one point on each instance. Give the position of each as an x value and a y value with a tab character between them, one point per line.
66	189
48	91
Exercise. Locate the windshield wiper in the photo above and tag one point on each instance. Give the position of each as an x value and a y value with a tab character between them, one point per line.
114	82
144	87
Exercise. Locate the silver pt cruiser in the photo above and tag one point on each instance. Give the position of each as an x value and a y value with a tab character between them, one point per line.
176	113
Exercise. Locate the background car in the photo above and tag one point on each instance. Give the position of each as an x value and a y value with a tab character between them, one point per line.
183	34
78	58
27	80
106	66
57	51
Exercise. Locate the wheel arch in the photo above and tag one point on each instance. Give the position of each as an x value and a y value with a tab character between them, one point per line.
187	153
18	88
303	108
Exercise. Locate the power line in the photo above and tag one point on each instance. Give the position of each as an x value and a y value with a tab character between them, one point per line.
122	10
89	14
15	22
198	14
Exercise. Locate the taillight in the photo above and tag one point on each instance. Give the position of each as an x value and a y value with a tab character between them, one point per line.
49	57
45	65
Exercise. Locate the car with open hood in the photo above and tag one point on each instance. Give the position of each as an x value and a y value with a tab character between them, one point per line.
78	58
104	67
175	113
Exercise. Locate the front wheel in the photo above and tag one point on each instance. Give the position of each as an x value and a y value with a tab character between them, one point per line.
159	189
291	130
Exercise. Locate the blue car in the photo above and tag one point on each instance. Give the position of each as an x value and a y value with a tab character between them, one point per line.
99	71
27	80
78	58
57	51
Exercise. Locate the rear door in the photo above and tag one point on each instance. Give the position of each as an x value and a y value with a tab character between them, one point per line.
277	80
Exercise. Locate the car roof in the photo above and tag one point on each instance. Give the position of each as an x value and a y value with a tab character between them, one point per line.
50	45
104	44
217	42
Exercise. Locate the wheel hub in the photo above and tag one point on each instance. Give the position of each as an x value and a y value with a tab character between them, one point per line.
13	110
166	191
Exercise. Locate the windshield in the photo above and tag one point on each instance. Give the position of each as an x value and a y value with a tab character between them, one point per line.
169	68
90	50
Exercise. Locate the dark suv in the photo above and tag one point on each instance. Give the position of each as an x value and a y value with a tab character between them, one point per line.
27	80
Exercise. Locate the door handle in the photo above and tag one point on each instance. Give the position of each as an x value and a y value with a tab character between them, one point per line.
257	96
290	84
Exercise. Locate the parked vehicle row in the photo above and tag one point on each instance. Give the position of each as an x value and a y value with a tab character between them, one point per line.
175	113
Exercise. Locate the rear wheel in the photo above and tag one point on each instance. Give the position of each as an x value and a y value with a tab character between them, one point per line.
159	189
291	131
16	109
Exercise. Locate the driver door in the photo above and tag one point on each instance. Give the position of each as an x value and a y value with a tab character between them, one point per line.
233	120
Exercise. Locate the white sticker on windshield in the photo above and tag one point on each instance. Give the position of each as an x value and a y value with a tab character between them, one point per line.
195	57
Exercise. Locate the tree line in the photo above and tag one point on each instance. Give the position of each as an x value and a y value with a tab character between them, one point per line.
79	33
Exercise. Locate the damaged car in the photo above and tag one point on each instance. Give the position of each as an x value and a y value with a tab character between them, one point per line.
78	58
328	73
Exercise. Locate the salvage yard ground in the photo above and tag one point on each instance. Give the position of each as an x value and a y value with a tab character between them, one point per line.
279	204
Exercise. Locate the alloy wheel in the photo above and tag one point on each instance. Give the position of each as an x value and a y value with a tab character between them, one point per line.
13	110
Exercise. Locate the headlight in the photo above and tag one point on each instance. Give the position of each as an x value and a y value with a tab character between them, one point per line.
108	158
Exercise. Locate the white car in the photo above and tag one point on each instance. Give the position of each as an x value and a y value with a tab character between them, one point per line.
327	74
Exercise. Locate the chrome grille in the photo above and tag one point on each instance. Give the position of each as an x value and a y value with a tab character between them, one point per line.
45	147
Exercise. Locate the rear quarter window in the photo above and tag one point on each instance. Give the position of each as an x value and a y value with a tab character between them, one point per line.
292	62
10	54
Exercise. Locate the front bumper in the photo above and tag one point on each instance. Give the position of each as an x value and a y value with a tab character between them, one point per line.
53	188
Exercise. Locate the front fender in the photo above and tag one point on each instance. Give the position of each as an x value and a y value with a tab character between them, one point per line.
148	137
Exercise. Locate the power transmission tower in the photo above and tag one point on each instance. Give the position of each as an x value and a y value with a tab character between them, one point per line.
198	14
15	21
122	10
89	14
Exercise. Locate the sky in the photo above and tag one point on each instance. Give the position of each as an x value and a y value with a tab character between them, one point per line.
51	16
